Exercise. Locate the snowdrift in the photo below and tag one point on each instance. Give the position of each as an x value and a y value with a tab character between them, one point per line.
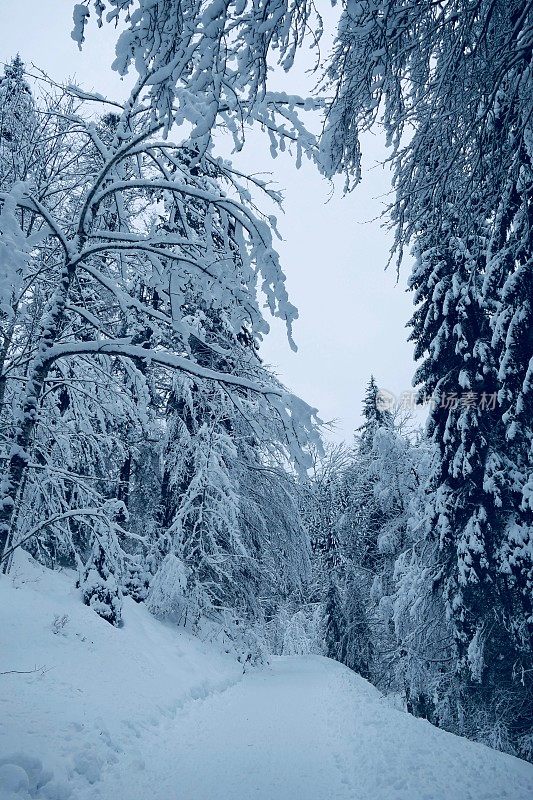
79	694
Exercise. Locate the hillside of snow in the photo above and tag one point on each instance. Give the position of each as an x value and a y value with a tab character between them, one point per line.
148	711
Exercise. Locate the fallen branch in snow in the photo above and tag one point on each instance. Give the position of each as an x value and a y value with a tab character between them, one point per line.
42	670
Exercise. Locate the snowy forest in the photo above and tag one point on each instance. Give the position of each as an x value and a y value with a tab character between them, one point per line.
147	450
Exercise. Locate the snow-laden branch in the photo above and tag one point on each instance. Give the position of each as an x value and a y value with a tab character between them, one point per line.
75	513
124	348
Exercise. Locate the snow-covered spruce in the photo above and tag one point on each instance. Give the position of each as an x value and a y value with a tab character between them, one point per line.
100	588
452	87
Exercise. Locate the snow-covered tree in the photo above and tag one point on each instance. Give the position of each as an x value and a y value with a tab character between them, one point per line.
19	161
452	85
119	302
375	414
203	491
100	586
18	123
335	623
227	508
208	64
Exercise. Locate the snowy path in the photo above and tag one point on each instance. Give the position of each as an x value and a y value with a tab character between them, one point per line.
308	729
148	712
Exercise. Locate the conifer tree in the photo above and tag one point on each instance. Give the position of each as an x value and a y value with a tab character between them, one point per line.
335	623
100	585
469	486
376	415
18	122
458	79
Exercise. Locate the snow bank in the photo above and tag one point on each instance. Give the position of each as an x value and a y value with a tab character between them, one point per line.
79	695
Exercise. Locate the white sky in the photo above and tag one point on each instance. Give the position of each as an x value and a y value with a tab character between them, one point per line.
352	313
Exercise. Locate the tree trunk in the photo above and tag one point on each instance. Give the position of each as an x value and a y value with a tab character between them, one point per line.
4	350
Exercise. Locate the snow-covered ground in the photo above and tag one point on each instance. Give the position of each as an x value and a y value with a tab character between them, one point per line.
148	712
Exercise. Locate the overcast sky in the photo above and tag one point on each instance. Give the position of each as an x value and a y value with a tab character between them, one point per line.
352	312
